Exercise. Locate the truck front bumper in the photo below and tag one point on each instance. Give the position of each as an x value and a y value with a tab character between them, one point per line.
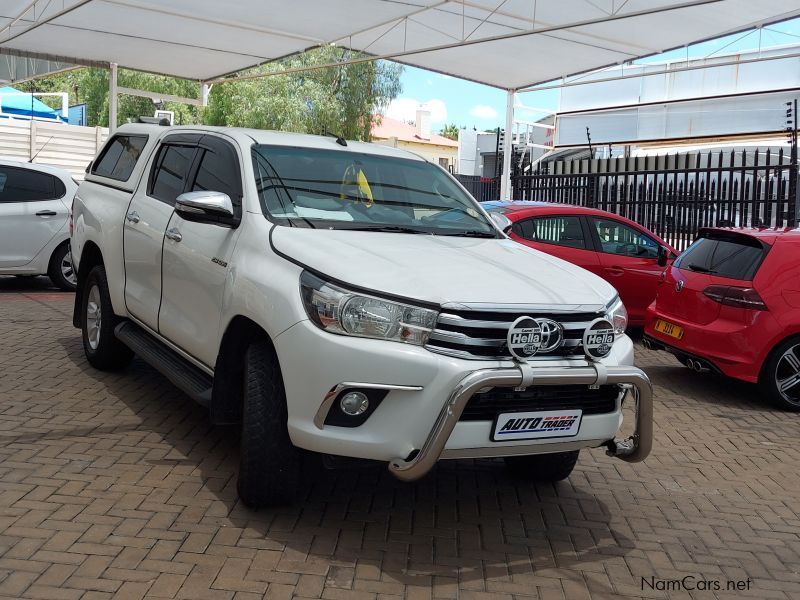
634	449
418	421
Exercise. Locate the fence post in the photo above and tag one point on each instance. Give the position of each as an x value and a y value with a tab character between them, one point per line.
32	145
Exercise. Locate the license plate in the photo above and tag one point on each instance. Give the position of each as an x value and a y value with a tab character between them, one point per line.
669	329
537	424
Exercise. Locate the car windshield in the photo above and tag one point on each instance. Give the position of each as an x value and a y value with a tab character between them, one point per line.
340	189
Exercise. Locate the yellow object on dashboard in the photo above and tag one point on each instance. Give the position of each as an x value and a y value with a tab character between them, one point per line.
359	181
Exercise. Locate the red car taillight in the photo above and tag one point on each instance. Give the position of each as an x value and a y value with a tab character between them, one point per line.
731	295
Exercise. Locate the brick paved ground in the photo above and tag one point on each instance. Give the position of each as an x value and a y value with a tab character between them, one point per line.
117	486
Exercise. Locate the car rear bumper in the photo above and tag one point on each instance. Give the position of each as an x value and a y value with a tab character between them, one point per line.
734	348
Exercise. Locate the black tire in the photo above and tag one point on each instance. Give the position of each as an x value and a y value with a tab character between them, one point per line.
102	348
543	467
780	367
270	467
66	282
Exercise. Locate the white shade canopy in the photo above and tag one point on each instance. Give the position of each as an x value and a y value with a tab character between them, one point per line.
508	44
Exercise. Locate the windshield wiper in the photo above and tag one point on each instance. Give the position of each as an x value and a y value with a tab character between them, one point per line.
700	269
384	229
471	234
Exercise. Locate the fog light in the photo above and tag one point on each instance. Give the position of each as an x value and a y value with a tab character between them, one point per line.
354	403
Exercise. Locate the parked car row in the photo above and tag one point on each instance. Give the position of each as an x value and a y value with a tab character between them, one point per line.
730	303
353	300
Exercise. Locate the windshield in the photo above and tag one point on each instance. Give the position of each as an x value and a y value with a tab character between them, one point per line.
338	189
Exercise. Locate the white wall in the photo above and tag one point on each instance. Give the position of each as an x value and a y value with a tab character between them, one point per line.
70	147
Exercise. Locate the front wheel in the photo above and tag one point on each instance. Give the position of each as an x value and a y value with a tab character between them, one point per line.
102	348
780	379
543	467
61	271
269	471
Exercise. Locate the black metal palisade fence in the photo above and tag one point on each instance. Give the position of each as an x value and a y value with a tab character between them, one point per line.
672	195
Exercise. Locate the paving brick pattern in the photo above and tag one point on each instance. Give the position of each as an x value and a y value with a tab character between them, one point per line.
117	486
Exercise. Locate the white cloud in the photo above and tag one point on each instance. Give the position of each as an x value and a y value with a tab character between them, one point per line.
405	109
482	111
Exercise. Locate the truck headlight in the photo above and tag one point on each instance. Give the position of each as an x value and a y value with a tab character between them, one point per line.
338	310
617	315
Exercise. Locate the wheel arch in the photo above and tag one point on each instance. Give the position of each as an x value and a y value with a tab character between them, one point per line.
228	390
90	258
794	334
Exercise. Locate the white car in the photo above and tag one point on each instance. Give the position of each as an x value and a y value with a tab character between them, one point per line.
35	201
346	299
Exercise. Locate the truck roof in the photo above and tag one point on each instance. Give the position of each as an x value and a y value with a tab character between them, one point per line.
278	138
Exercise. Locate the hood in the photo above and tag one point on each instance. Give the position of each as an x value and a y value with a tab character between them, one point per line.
444	270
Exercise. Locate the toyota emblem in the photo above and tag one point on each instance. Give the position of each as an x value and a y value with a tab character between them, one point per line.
528	336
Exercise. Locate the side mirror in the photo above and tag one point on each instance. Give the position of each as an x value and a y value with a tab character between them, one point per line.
663	255
502	221
205	207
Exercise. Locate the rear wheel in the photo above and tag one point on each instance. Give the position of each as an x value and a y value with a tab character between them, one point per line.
60	271
269	471
780	379
543	467
102	348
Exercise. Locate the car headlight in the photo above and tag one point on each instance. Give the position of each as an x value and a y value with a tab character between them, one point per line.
617	315
338	310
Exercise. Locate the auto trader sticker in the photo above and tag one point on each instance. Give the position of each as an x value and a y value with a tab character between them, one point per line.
537	424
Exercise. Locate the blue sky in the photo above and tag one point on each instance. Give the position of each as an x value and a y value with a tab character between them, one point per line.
470	104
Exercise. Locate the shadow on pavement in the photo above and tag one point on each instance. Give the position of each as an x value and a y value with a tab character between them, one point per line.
466	521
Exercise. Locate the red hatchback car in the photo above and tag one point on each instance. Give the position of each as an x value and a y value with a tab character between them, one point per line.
731	303
625	254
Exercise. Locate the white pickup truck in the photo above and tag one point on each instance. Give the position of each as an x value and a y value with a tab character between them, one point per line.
346	299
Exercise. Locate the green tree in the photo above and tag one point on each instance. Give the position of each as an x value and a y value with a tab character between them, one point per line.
341	100
450	131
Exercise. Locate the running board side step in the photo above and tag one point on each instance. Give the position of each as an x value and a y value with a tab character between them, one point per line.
183	374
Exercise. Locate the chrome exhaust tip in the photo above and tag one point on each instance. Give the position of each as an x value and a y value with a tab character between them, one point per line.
690	363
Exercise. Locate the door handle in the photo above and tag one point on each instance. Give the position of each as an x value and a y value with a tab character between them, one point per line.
133	217
46	213
173	234
616	271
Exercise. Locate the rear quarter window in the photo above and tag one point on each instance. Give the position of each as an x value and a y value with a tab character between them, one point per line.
735	257
119	157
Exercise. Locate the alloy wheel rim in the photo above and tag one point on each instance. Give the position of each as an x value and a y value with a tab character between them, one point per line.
787	375
67	269
93	315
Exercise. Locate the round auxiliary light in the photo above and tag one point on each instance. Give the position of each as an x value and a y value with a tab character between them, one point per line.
354	403
598	339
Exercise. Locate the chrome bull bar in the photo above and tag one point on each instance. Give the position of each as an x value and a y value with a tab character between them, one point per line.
633	449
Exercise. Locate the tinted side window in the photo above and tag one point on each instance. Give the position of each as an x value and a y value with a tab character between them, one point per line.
559	230
219	172
170	171
618	238
524	229
119	157
735	258
26	185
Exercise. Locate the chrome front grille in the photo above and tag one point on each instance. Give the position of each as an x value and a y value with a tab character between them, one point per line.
481	335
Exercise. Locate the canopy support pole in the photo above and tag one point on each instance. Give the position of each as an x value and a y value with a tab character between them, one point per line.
505	178
113	97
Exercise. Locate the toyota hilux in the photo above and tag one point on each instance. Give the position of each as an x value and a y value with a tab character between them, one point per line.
345	299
